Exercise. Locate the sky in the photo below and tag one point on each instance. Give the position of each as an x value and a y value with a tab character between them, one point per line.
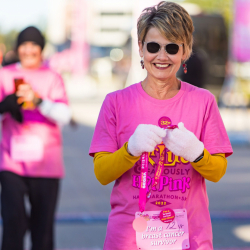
18	14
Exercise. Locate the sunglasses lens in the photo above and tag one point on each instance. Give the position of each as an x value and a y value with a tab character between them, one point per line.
172	48
153	47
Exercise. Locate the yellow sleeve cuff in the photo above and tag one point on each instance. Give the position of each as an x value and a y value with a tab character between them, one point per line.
110	166
211	167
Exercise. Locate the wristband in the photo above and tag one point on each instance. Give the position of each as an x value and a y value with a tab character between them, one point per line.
129	151
199	158
37	100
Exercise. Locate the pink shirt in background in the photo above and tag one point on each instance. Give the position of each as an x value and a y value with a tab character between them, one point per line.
180	185
49	85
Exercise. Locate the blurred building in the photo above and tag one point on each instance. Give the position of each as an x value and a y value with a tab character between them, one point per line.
99	38
110	22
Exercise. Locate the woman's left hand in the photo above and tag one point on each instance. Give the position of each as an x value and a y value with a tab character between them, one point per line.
184	143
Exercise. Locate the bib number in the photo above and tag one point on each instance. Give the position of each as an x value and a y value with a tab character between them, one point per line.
26	148
161	236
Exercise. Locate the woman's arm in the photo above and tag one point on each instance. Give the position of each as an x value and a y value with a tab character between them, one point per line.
184	143
211	167
55	111
110	166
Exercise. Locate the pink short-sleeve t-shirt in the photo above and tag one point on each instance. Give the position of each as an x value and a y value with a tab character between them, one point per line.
180	186
49	85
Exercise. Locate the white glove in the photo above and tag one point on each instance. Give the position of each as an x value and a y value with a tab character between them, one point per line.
184	143
145	139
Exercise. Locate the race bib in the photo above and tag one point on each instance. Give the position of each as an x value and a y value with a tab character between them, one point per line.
26	148
163	230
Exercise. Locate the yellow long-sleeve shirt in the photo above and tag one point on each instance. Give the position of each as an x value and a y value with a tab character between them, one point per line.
110	166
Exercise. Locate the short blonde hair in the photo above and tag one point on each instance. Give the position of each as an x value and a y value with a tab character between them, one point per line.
172	21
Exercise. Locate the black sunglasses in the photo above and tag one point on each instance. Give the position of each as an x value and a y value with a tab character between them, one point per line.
171	48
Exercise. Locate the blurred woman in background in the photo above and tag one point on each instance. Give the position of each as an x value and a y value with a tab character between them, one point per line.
33	105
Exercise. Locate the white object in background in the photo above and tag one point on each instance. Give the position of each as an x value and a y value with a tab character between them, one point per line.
57	32
243	232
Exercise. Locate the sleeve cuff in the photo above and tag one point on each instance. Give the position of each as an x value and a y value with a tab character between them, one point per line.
203	161
126	153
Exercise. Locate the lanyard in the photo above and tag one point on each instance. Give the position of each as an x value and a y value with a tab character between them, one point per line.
143	195
158	172
143	184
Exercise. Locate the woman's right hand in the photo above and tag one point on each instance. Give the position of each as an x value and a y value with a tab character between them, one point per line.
25	93
145	139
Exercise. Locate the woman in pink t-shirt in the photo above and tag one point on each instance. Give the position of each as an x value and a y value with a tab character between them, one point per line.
172	125
33	105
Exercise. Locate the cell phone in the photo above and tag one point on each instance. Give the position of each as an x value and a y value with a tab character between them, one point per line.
18	81
25	105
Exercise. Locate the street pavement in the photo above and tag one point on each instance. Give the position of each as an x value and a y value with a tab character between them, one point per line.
84	203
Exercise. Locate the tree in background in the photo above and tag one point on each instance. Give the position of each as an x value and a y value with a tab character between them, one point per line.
7	46
8	39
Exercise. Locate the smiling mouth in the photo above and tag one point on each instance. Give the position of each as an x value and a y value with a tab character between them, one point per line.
162	66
